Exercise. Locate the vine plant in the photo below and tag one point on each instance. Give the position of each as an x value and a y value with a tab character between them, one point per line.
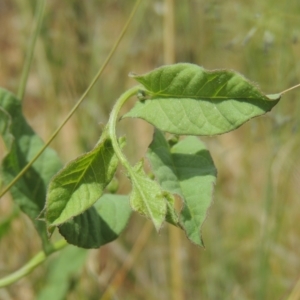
182	99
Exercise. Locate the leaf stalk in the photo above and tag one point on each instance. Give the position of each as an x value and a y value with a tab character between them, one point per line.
113	122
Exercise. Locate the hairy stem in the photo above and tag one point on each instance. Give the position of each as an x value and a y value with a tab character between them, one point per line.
113	122
38	259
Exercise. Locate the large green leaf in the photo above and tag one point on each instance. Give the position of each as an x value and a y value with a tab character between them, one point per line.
189	100
100	224
185	169
147	198
22	144
80	183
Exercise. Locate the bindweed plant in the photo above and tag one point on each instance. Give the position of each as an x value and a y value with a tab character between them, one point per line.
182	100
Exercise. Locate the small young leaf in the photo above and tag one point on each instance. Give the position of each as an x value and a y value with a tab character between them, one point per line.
100	224
186	169
22	144
80	183
189	100
146	197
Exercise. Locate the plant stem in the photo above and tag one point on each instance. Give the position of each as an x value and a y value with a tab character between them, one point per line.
31	265
113	121
174	234
289	89
30	49
169	33
295	294
24	170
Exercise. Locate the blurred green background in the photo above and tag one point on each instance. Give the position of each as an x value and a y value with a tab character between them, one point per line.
252	231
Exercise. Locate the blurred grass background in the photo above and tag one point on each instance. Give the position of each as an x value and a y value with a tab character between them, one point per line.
252	234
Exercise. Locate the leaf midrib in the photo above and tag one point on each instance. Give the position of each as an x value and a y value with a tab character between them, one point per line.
156	96
140	190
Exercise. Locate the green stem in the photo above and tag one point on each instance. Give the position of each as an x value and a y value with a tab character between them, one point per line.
30	49
31	265
24	170
113	121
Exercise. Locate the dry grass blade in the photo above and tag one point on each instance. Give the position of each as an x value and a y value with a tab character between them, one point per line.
120	275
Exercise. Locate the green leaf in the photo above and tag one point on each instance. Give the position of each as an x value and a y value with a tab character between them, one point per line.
22	145
5	127
185	169
100	224
146	197
171	215
80	183
62	272
189	100
274	97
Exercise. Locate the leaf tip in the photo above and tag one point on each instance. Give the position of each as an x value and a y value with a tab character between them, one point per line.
274	97
50	230
132	74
